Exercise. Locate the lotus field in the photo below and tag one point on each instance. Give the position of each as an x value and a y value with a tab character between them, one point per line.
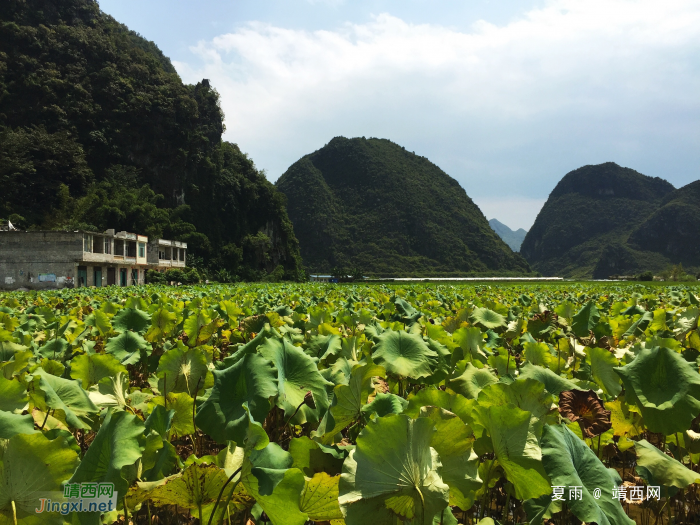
351	404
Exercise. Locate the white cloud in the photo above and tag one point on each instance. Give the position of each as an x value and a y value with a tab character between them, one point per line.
506	110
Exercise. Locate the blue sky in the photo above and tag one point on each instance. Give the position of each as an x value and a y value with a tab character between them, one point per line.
506	97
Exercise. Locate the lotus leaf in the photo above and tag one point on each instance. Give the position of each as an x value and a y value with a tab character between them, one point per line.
119	443
488	319
515	442
131	319
13	395
126	347
471	381
90	369
404	355
665	387
392	473
659	469
297	374
251	380
32	467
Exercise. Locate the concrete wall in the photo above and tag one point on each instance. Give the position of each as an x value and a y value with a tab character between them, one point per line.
27	257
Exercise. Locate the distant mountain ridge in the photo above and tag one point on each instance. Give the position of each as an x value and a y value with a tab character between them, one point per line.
371	205
605	220
514	239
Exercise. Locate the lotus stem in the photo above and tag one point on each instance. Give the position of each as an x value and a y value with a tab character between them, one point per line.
42	425
218	499
14	513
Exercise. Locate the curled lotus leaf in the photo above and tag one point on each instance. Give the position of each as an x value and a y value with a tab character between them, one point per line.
585	408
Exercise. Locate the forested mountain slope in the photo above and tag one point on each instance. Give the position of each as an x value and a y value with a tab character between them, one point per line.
674	229
595	223
98	131
369	205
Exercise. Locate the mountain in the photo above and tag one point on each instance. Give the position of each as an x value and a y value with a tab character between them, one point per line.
368	205
512	238
98	131
584	227
673	230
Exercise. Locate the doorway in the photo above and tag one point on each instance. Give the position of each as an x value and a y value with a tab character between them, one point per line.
122	276
82	276
111	276
98	277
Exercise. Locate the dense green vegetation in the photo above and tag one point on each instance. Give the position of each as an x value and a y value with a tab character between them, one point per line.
607	220
370	206
98	131
392	405
674	228
514	239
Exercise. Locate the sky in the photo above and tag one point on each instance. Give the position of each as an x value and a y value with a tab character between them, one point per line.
505	96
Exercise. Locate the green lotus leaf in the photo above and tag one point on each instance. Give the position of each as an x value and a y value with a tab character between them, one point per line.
251	380
251	347
404	355
163	463
99	320
526	394
297	374
119	443
319	501
65	396
488	319
640	325
194	328
162	323
585	320
658	469
131	319
431	396
90	369
16	363
111	392
311	457
13	395
126	347
182	404
665	387
602	370
384	404
183	369
55	349
408	313
539	354
277	488
393	473
569	462
513	434
324	346
52	367
12	424
453	442
32	467
160	420
471	381
349	399
194	488
554	383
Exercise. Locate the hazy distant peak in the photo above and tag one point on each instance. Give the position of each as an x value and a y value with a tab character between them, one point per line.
512	238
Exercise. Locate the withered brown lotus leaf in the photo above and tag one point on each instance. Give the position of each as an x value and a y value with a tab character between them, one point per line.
584	407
